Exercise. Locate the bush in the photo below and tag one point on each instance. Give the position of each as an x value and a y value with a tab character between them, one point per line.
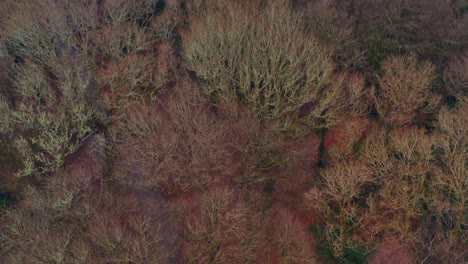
49	124
374	153
73	217
117	41
5	118
384	28
456	76
419	190
344	141
133	74
384	194
332	24
66	223
218	228
135	226
47	224
255	148
404	89
140	12
291	239
397	203
336	200
179	148
448	196
48	109
136	51
403	190
263	58
34	30
256	119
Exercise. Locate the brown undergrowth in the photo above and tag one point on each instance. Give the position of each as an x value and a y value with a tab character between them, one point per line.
201	131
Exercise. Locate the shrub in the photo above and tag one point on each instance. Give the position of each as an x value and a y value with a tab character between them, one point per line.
391	251
136	57
374	153
49	108
74	218
419	193
218	228
179	148
133	74
333	25
397	209
291	239
344	141
5	118
34	242
404	189
404	89
456	75
6	84
47	224
255	148
140	12
49	124
134	226
133	68
165	26
166	66
34	30
117	41
83	19
386	28
63	224
448	196
336	200
403	164
264	59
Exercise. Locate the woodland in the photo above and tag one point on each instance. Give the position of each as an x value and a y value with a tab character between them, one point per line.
234	131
